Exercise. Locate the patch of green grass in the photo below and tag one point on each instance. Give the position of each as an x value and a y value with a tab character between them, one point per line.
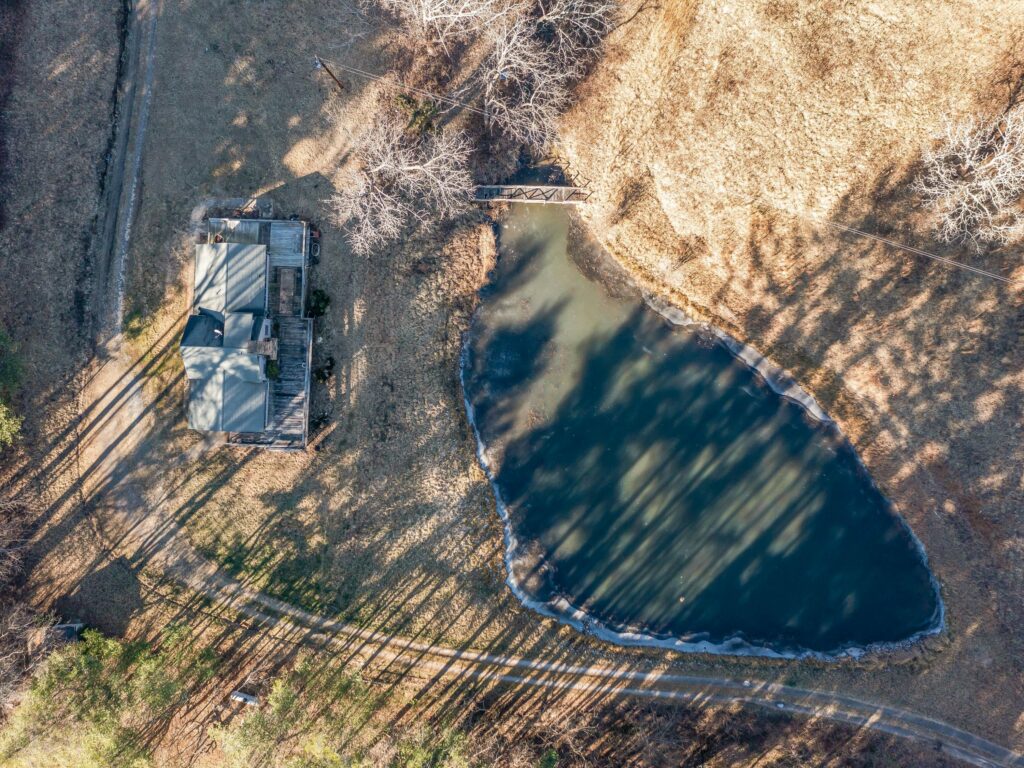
100	702
281	564
10	380
318	716
135	325
422	114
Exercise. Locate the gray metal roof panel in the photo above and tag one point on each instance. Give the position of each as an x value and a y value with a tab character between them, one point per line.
202	362
287	241
211	276
245	405
240	327
230	277
205	398
236	230
203	330
246	289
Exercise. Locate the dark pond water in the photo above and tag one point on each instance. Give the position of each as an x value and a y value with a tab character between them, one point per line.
655	489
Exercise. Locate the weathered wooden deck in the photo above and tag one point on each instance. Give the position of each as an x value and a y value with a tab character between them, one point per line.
287	248
289	392
286	291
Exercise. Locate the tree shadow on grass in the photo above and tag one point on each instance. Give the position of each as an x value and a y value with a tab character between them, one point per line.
433	568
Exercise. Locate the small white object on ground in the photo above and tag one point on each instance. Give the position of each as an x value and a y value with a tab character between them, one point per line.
245	698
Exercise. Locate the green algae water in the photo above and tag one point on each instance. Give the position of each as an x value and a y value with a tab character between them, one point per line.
656	489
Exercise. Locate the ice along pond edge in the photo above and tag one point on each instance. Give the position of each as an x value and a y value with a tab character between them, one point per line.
779	382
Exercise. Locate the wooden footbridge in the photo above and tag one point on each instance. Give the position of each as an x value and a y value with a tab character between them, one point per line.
525	193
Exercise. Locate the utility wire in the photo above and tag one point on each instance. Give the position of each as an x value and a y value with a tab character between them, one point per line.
420	91
878	238
321	63
918	251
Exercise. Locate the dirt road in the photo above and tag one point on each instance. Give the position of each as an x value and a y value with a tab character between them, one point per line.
122	184
144	528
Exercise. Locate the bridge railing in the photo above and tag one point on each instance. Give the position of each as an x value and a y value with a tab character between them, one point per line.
525	193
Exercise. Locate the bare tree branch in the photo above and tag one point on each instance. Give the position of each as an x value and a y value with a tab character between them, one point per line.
538	48
400	178
973	181
575	28
17	620
446	21
17	623
525	88
13	526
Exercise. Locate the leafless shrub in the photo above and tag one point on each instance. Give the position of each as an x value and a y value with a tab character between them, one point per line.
354	26
973	181
13	525
538	49
535	57
18	622
400	177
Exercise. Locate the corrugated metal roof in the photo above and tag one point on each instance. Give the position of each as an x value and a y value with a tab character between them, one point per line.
201	362
203	330
205	397
287	243
235	230
228	401
211	276
204	362
247	278
231	277
245	405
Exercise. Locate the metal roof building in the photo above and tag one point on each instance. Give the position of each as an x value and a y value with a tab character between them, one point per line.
236	328
229	390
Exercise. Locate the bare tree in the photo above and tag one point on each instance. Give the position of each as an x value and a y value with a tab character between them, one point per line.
400	177
446	21
17	620
538	48
535	56
525	88
973	181
575	29
13	525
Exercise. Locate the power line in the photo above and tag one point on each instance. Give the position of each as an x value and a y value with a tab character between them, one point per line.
321	63
852	230
878	238
420	91
918	251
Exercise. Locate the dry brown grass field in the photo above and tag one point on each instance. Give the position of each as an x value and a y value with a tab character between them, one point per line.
389	522
721	137
57	73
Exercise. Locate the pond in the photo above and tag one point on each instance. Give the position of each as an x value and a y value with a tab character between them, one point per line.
656	489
